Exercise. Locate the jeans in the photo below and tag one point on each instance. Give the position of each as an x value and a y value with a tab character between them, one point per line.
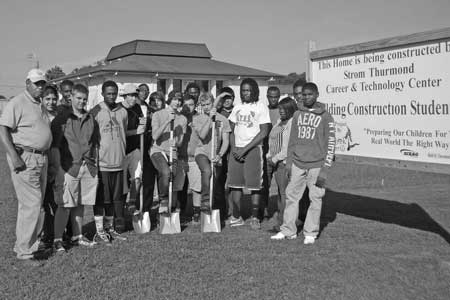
282	180
221	200
205	169
269	171
162	165
300	178
50	209
148	181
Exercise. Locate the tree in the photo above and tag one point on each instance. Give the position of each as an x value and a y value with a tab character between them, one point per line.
94	64
54	73
291	78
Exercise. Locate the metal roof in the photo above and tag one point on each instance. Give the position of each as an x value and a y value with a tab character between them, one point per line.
172	65
158	48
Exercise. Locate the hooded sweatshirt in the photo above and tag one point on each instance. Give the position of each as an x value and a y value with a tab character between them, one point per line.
312	140
112	126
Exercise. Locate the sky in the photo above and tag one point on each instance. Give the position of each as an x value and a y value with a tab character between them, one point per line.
268	35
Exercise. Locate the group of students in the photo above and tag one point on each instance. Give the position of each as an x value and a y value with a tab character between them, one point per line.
104	156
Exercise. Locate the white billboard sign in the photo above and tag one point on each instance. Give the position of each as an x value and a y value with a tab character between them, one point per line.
392	104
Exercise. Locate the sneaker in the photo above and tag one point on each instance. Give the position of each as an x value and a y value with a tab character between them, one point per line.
254	223
228	220
58	247
155	204
164	207
102	238
115	235
234	222
266	214
154	220
45	243
82	241
130	207
309	240
281	236
299	223
195	219
204	207
276	228
274	217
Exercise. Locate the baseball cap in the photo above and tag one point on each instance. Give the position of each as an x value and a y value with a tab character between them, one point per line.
129	89
36	75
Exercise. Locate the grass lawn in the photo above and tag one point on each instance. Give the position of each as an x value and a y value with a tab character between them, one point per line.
385	236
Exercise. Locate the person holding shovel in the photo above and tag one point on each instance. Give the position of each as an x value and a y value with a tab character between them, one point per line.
186	155
164	122
203	127
134	167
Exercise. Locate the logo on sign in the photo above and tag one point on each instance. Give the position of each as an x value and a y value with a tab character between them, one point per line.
408	152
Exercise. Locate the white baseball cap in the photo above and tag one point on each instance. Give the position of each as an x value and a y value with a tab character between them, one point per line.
129	89
36	75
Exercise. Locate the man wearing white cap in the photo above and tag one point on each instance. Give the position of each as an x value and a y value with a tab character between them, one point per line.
138	115
25	132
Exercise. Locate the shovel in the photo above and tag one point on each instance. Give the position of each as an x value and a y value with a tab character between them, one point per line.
170	222
210	221
141	221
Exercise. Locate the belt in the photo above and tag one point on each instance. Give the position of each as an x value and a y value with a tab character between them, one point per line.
20	149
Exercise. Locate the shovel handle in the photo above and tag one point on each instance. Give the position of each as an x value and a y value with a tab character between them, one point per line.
171	165
141	188
213	155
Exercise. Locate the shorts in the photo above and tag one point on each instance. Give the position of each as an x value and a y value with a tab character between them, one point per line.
74	191
110	187
247	174
132	168
194	177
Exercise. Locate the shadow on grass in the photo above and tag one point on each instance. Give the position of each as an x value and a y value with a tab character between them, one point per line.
381	210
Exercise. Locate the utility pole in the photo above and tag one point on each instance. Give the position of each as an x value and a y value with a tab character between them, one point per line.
311	47
32	57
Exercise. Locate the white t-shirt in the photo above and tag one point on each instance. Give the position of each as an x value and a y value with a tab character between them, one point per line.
144	110
247	117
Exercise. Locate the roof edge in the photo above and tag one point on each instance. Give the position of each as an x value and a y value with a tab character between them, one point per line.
385	43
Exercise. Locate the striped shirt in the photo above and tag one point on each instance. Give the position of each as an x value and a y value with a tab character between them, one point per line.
279	140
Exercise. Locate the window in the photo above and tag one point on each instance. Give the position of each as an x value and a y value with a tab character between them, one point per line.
177	85
161	86
219	86
203	84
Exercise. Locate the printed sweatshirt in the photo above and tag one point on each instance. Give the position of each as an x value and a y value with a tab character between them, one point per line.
312	139
112	126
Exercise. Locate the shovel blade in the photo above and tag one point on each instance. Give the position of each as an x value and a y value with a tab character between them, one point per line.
210	222
141	222
170	224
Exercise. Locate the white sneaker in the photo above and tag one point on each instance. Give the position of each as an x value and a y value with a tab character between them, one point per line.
281	236
309	240
235	222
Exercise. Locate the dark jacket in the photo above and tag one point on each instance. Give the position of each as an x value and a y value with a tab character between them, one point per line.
134	114
77	140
